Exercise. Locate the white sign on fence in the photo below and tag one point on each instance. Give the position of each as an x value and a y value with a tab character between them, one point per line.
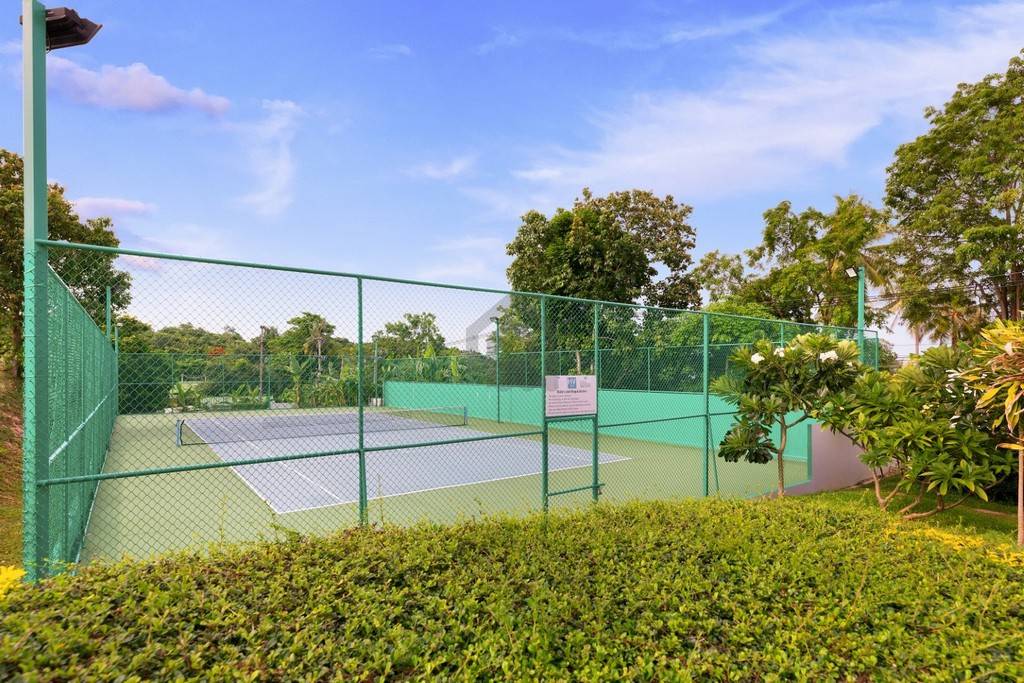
567	395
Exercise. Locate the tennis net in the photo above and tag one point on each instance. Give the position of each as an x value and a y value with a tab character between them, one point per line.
199	431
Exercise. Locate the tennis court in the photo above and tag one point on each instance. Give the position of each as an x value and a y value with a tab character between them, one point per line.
315	410
404	466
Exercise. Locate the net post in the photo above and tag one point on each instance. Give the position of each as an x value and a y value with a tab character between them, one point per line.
597	397
359	399
543	404
705	390
35	441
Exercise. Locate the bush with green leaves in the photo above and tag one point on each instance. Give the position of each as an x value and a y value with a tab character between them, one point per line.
923	425
778	387
698	590
998	374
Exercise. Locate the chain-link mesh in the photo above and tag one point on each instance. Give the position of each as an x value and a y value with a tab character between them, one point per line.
243	401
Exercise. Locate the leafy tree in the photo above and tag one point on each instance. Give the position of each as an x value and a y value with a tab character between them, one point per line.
922	424
999	376
86	273
410	337
301	330
581	253
319	334
778	388
804	258
720	275
961	185
661	226
134	335
608	248
737	322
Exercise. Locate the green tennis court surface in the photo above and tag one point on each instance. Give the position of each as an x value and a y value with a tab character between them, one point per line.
193	508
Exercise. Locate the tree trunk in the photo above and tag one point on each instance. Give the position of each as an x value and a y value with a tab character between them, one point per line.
781	461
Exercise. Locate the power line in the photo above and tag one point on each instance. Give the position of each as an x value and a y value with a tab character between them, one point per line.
947	289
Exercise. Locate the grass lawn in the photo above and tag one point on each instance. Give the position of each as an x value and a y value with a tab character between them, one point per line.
816	588
10	470
991	522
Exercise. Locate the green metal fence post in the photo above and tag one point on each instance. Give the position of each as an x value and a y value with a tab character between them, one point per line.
376	389
543	404
648	368
861	278
363	517
36	505
497	363
705	387
106	311
596	482
782	335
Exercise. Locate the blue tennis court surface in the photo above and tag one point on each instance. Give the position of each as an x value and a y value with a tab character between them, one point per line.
306	484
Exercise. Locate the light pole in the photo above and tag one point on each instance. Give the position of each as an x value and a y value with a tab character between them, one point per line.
497	361
860	274
42	30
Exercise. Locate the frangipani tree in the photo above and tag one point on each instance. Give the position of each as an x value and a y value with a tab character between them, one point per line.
779	387
922	427
999	376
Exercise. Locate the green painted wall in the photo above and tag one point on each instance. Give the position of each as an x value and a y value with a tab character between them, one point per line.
522	405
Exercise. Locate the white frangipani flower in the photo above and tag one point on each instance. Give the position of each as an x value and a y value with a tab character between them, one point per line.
780	352
1008	348
828	355
756	358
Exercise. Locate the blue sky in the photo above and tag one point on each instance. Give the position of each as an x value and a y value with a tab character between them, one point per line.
405	139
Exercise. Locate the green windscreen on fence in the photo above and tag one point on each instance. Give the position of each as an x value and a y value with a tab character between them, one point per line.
82	392
245	401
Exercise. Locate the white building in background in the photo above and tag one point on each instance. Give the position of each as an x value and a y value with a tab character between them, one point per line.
483	323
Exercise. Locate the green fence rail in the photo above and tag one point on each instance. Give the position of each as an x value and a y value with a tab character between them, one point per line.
244	400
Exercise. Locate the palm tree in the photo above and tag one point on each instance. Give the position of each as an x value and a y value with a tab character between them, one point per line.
317	339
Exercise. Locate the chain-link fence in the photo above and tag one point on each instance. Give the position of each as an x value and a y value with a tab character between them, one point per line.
230	401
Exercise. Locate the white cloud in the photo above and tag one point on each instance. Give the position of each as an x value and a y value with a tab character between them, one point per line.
732	26
390	51
133	87
134	263
479	259
796	105
650	39
487	244
181	238
92	207
268	144
444	171
10	47
500	40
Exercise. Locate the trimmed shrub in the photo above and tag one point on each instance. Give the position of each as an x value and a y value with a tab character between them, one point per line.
711	590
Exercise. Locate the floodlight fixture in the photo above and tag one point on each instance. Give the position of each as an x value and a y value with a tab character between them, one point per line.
64	28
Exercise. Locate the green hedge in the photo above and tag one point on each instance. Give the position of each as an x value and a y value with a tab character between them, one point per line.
713	590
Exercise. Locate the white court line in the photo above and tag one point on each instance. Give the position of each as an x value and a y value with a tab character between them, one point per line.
583	457
252	486
616	459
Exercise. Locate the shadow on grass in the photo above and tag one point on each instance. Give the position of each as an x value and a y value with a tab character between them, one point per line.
993	522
